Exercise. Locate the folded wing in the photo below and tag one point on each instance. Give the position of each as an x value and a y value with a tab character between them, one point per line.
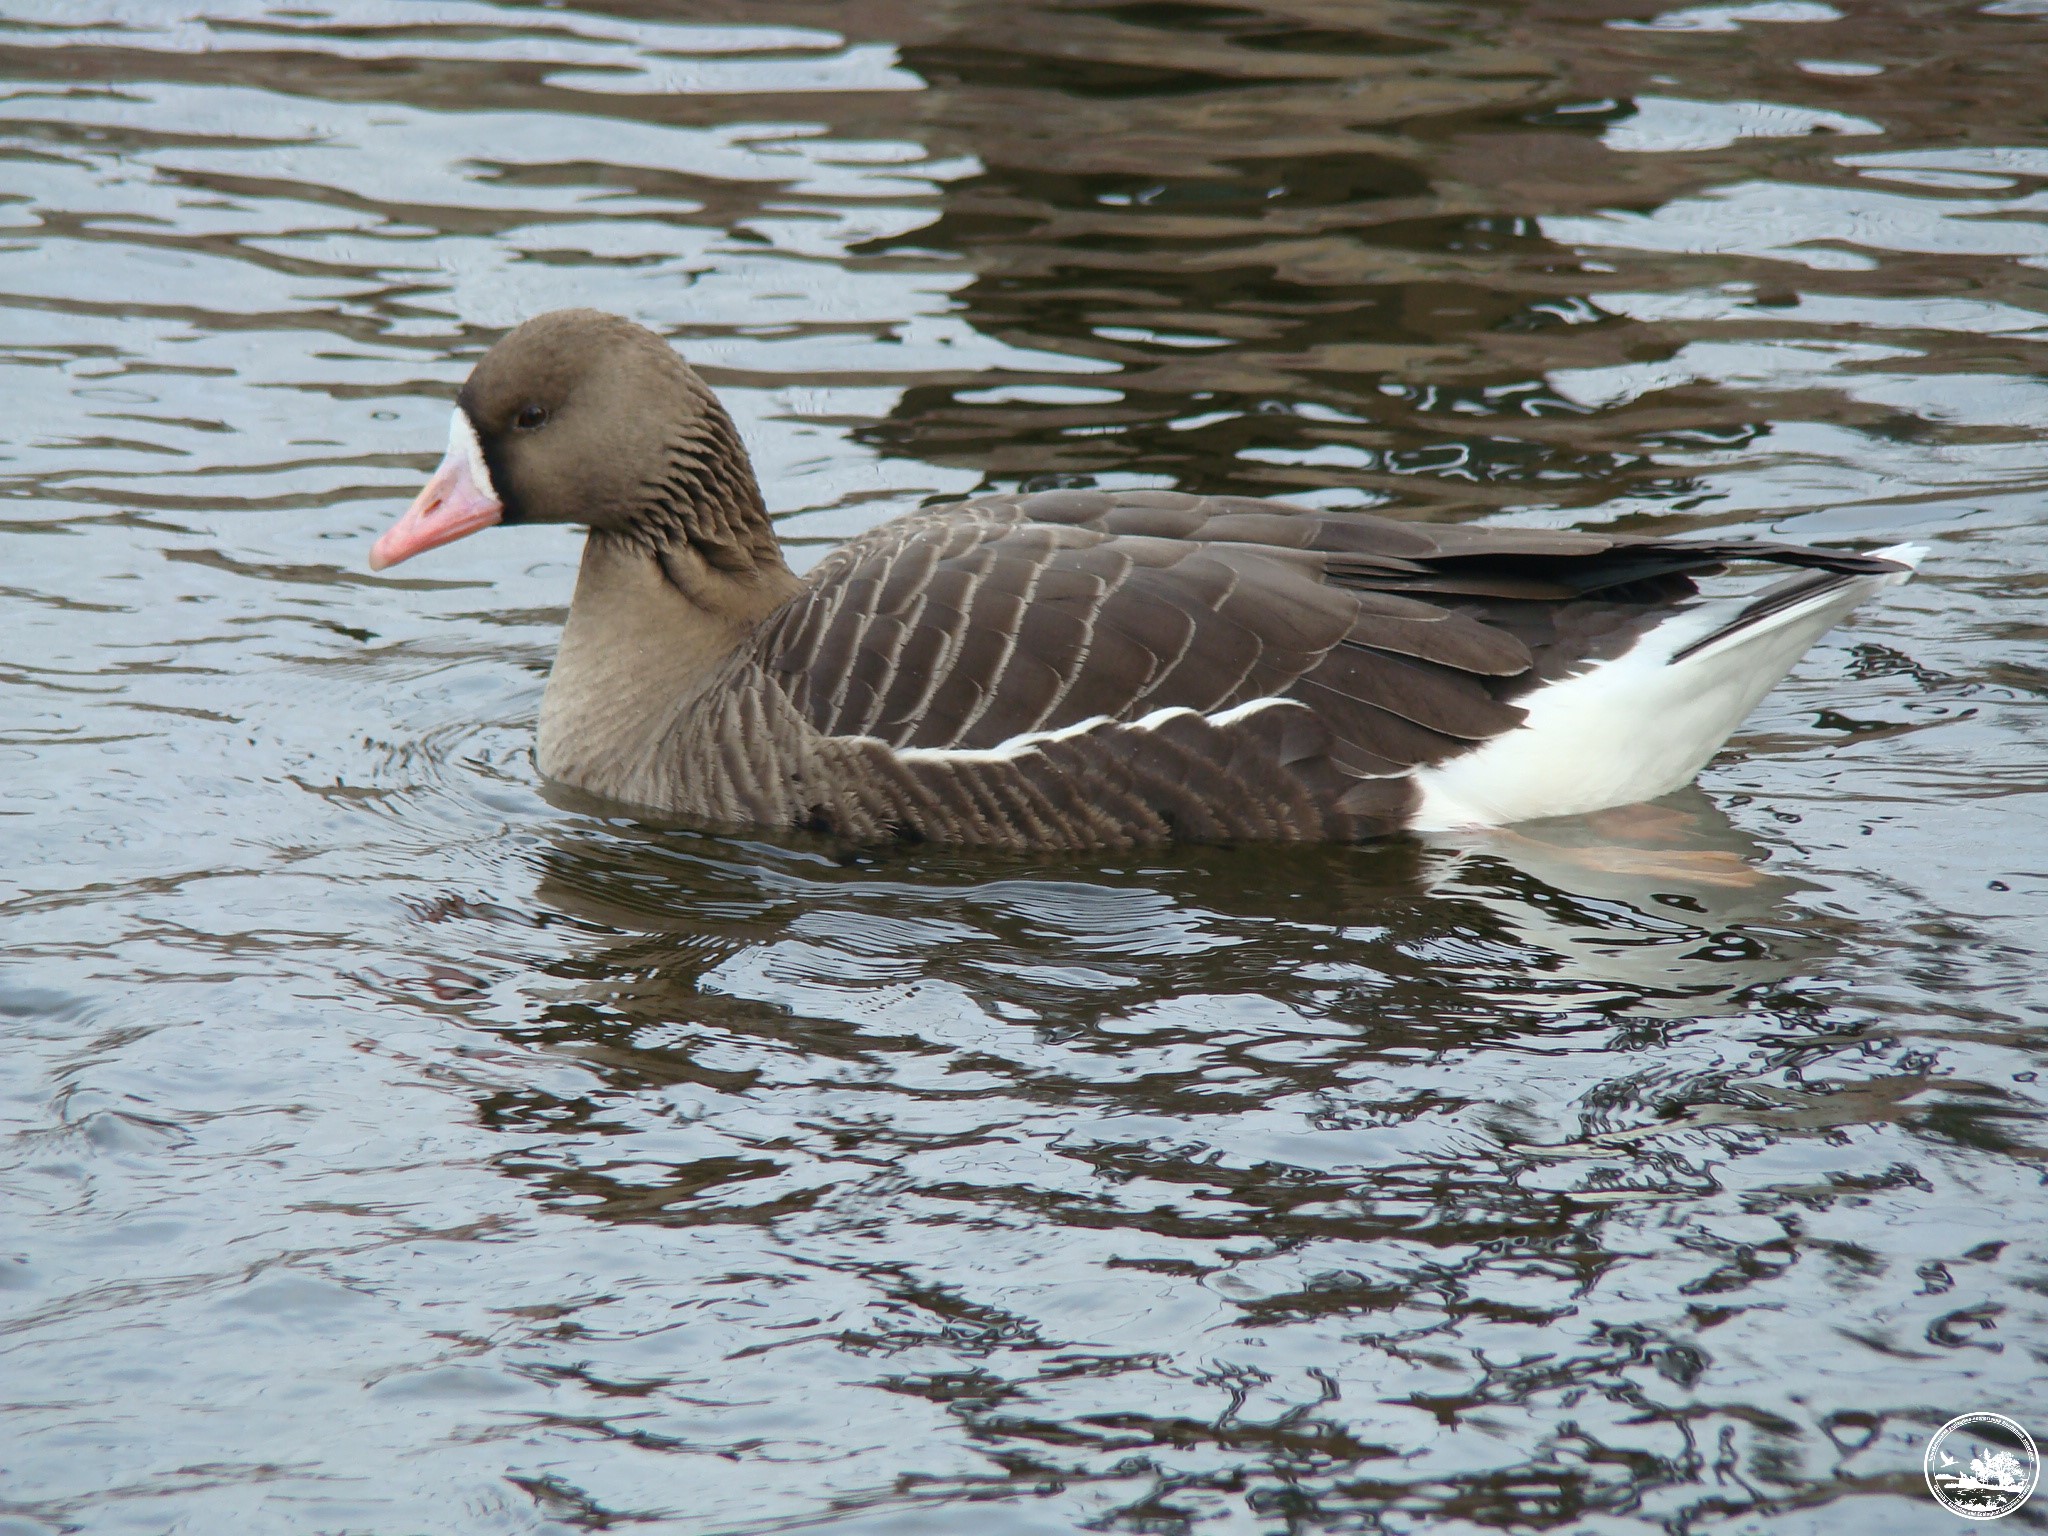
1005	621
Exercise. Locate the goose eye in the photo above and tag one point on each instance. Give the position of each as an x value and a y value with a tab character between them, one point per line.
530	416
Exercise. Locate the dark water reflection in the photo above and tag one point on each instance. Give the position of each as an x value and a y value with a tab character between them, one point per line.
394	1148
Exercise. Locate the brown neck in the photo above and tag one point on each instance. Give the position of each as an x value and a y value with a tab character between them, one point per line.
647	634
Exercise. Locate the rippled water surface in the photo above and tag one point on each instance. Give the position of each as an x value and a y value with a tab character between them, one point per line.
392	1148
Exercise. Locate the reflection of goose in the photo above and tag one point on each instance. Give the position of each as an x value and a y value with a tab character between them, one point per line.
1630	899
757	938
1083	668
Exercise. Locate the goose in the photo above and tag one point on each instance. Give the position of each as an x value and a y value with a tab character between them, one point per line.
1079	669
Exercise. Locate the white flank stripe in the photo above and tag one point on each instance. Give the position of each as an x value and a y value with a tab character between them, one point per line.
1249	708
1640	725
1014	747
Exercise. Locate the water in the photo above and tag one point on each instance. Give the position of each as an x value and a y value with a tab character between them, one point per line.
392	1148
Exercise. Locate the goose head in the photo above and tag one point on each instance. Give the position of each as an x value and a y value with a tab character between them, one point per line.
583	417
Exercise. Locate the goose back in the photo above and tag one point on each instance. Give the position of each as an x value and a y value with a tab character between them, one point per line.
1095	668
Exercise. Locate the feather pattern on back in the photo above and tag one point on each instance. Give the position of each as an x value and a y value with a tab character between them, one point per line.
1089	668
